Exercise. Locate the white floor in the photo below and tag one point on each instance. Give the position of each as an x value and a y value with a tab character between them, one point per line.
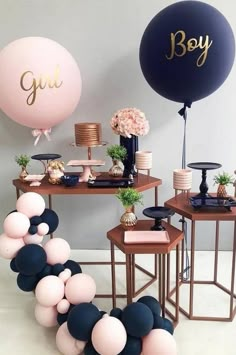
21	335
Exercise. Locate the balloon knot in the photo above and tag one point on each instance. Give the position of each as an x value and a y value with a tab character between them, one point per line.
38	132
182	111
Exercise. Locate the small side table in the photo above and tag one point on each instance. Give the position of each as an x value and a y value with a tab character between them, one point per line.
116	237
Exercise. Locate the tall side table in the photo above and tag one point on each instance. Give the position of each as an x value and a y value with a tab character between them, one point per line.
180	204
116	237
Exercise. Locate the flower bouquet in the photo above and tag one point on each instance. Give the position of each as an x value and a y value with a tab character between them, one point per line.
129	121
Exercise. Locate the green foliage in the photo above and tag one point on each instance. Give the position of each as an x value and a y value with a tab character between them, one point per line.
129	197
117	152
223	179
22	160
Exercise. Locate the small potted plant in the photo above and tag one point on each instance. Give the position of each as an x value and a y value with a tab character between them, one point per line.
22	160
129	197
222	179
118	154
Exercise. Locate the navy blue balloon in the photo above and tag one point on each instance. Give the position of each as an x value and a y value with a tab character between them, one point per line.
133	346
81	320
35	220
13	265
62	317
31	259
32	229
57	269
171	59
89	349
137	319
116	312
27	283
168	325
73	266
51	218
158	322
152	303
46	271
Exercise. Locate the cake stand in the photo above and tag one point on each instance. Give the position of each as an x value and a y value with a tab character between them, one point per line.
86	165
34	179
47	158
158	213
204	166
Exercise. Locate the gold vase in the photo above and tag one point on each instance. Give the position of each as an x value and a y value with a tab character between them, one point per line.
221	191
23	173
128	219
116	170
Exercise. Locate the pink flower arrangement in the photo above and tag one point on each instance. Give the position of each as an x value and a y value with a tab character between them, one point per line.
129	121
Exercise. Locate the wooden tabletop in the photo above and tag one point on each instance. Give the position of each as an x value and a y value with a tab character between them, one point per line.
116	235
181	205
141	183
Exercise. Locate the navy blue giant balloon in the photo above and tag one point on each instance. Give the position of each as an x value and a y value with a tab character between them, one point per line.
187	51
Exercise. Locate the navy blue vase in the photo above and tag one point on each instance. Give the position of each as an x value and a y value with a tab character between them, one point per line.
131	145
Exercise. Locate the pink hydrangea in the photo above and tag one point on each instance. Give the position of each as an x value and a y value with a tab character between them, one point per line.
129	121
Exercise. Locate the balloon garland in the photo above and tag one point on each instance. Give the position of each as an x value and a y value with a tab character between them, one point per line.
64	294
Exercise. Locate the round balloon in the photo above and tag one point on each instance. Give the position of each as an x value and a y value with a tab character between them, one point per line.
31	204
16	225
187	51
9	247
109	336
65	342
46	316
40	82
159	342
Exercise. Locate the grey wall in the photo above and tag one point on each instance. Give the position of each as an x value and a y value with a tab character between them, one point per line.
104	36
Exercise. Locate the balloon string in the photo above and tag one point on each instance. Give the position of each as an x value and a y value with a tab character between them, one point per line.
184	275
38	133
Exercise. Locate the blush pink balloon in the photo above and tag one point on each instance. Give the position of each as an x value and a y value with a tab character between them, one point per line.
46	316
109	336
159	342
16	225
9	247
65	275
31	204
40	82
80	288
63	306
49	291
43	229
65	342
33	238
57	250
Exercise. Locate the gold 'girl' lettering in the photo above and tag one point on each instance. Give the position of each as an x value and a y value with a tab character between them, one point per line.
179	48
40	83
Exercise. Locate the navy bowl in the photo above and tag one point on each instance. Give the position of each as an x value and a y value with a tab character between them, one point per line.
70	180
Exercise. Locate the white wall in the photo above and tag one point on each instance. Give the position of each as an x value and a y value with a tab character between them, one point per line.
104	37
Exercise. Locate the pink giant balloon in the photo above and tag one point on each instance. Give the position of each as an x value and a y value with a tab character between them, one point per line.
66	344
9	247
57	250
16	225
40	82
49	291
109	336
80	288
46	316
159	342
31	204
